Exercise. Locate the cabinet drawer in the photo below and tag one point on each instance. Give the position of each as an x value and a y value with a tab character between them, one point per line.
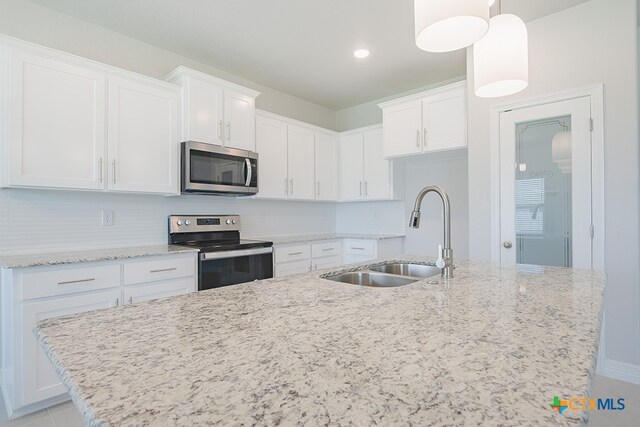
360	247
48	282
293	253
170	288
327	262
289	268
326	249
158	269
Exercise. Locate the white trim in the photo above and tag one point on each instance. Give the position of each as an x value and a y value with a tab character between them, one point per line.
291	121
182	71
622	371
595	94
420	95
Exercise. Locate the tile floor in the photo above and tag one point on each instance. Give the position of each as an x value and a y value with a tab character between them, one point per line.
65	414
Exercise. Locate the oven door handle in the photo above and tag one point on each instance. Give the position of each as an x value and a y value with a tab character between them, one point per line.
249	172
234	254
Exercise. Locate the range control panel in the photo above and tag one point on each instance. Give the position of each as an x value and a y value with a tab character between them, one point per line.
203	223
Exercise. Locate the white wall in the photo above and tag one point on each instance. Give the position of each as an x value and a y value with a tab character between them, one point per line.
37	24
591	43
450	173
34	221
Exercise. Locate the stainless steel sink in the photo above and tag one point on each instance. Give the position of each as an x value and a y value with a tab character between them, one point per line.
410	270
368	278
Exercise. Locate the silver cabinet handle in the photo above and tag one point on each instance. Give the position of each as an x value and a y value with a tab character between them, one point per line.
113	166
424	136
361	188
291	181
100	170
418	138
69	282
286	186
117	302
295	253
358	249
228	131
163	269
130	300
318	188
220	130
328	249
366	188
315	267
249	172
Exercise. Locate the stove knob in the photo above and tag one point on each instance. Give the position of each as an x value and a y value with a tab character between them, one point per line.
187	222
179	222
233	221
228	221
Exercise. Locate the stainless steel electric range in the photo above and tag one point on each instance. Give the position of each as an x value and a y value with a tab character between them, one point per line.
224	258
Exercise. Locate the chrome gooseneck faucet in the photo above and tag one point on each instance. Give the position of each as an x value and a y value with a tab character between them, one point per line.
445	255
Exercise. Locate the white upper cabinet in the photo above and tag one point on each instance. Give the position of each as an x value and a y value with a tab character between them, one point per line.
286	159
326	166
142	136
300	146
216	111
430	121
364	173
56	132
77	124
271	145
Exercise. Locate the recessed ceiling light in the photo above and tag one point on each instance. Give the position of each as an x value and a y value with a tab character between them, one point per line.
361	53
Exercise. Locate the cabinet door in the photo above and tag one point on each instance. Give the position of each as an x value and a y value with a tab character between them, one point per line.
326	167
143	137
377	177
402	130
39	379
57	124
135	294
271	144
445	120
351	167
240	119
327	262
203	111
289	268
300	162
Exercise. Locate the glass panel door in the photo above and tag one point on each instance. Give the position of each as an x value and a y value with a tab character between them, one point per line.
543	192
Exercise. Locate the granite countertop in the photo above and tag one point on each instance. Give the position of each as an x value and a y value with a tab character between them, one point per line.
93	255
490	346
302	238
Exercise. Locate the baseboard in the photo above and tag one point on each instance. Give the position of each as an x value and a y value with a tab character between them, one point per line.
621	371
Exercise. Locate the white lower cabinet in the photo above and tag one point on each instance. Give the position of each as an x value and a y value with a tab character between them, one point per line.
362	250
29	295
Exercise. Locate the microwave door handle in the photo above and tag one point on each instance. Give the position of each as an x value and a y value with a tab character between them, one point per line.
249	172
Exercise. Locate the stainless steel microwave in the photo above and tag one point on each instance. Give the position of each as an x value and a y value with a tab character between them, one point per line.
208	168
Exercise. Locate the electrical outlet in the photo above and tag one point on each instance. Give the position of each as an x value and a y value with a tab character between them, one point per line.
107	217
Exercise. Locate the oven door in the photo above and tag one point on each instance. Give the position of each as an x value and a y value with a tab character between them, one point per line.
208	168
226	268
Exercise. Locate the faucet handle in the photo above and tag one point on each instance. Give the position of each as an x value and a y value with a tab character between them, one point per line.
440	263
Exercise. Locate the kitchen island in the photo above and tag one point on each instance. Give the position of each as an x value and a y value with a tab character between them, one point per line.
490	346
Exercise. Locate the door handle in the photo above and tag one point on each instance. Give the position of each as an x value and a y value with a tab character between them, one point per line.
228	131
418	138
100	170
113	164
424	136
507	244
286	186
366	188
249	172
318	188
220	130
361	188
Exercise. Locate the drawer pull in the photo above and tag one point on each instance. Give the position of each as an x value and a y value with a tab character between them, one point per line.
69	282
295	253
328	249
130	300
163	269
358	249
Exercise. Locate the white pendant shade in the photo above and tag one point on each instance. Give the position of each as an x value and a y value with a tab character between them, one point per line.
501	58
447	25
561	151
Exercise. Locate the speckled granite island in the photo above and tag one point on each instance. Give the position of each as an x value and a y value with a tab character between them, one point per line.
491	346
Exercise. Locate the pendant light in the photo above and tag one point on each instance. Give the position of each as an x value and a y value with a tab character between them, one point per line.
447	25
501	58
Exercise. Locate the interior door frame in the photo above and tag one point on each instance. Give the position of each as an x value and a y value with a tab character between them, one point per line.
595	94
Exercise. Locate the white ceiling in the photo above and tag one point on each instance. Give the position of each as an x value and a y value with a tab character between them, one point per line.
301	47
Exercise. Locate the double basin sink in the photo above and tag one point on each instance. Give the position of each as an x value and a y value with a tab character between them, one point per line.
387	275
